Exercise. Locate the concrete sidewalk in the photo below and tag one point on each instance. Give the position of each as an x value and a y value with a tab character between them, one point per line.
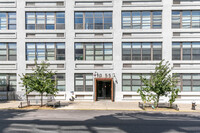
9	104
99	105
108	105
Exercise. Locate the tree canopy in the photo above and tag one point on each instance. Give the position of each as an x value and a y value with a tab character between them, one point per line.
41	80
161	83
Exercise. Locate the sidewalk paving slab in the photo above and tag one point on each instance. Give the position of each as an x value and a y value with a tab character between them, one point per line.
9	104
99	105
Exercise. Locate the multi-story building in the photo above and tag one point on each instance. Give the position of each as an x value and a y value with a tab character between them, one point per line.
99	48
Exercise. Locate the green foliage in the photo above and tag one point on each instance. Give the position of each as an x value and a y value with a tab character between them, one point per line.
27	83
40	81
161	83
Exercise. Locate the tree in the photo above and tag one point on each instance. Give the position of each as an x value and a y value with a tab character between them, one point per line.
161	83
41	81
27	83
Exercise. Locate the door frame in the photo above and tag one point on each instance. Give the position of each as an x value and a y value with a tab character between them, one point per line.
104	79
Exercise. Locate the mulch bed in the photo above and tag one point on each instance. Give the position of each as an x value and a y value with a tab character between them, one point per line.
159	109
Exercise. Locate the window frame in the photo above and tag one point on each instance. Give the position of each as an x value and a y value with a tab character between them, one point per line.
8	86
181	18
141	17
55	78
181	51
35	18
83	27
131	80
141	51
7	49
84	86
94	49
191	80
45	50
7	23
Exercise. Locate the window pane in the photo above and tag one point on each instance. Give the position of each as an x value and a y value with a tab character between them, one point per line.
195	19
60	14
135	88
136	20
146	23
157	51
83	82
78	20
176	51
98	20
195	51
126	76
186	19
186	51
136	51
126	51
157	20
3	46
126	20
146	51
175	19
126	88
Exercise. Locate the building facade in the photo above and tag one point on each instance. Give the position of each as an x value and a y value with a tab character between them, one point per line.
99	48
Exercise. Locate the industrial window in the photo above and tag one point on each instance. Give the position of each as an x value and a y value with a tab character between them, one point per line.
8	52
60	81
185	19
132	82
141	20
188	82
186	51
83	82
45	20
7	21
93	51
45	51
141	51
93	20
7	82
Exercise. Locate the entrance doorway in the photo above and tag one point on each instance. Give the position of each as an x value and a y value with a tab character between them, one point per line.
103	89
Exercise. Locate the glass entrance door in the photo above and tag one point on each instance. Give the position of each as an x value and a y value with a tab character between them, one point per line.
103	89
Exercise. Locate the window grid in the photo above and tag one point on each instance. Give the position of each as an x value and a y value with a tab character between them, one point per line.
7	21
131	81
60	81
45	53
140	20
83	82
191	51
188	82
8	52
82	52
39	22
7	82
85	21
185	19
140	52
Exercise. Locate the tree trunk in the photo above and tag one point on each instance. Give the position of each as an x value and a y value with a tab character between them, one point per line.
158	97
27	98
41	99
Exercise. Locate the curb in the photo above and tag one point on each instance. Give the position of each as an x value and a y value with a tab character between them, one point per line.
85	109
